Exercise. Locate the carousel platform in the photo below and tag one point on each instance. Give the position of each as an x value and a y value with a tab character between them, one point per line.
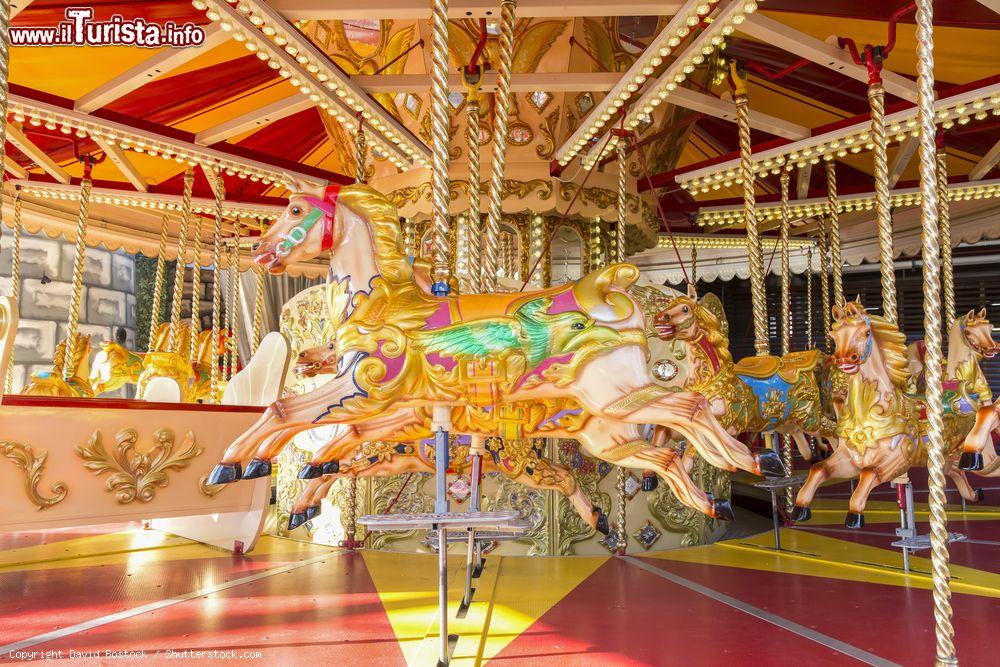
832	597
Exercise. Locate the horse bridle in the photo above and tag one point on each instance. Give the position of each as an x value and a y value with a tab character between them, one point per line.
322	210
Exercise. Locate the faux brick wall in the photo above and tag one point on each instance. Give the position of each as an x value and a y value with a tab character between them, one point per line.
108	299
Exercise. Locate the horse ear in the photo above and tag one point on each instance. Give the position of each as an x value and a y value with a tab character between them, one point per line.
970	316
838	313
692	292
982	313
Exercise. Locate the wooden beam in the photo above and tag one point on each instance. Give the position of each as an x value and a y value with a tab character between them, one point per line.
903	156
552	82
989	160
18	6
992	4
36	154
802	181
254	119
778	34
726	110
300	10
16	170
162	62
125	166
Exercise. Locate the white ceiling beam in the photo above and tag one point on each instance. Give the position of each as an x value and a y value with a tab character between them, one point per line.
161	63
992	4
125	166
769	31
255	119
300	10
36	154
552	82
16	170
802	181
989	160
902	160
18	6
726	110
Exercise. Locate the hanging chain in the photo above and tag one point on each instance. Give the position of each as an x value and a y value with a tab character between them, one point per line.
622	204
15	276
501	104
944	223
833	211
475	215
161	265
941	575
219	191
194	326
440	270
175	306
883	216
77	289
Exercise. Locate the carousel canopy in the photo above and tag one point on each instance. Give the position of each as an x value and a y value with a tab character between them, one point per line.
279	89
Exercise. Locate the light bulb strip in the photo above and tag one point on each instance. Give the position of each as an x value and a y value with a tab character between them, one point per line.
961	108
712	241
36	113
661	46
264	31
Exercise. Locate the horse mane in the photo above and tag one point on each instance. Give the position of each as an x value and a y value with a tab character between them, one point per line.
892	344
81	354
383	219
710	325
957	342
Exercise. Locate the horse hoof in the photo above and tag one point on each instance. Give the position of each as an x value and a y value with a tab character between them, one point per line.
650	482
312	512
257	468
800	513
980	494
331	467
310	471
296	519
225	473
722	510
601	525
854	520
971	461
770	465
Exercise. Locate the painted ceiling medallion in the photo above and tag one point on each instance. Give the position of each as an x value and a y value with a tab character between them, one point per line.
520	134
133	474
33	465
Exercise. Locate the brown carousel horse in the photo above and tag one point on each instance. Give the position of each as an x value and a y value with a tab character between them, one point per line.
881	428
520	460
574	354
754	395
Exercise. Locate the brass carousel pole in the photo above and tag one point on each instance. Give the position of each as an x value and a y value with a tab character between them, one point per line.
944	223
786	317
232	313
4	77
195	324
258	306
81	251
941	575
475	222
218	188
809	298
161	262
833	209
693	284
824	280
15	274
175	306
622	203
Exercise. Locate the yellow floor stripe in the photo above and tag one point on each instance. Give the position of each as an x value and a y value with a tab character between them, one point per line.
831	512
816	555
512	593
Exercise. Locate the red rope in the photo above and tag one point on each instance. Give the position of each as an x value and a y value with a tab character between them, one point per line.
663	215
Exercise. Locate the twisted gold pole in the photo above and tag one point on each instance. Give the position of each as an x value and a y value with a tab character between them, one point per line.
809	299
758	295
409	238
15	276
786	317
175	305
440	269
824	283
536	233
475	214
219	191
77	289
501	103
622	543
694	269
360	150
833	210
161	263
941	575
4	78
944	223
233	310
622	204
883	216
258	306
194	326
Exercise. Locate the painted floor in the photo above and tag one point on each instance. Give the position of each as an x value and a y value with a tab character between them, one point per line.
832	597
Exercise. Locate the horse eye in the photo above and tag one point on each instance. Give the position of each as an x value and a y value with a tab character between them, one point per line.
330	346
301	354
577	325
684	309
296	210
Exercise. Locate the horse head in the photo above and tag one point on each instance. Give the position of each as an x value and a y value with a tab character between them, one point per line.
108	371
303	230
852	337
979	334
678	320
318	360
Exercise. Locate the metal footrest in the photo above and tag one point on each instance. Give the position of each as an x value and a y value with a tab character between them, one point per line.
500	521
481	535
798	479
919	542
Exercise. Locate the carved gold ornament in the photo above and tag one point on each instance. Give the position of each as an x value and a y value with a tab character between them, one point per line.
136	474
210	490
32	465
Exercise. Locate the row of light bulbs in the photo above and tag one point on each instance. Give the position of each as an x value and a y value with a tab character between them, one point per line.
265	34
725	242
164	203
816	207
73	123
960	110
711	39
679	27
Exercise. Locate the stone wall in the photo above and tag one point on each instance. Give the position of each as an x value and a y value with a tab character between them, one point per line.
108	298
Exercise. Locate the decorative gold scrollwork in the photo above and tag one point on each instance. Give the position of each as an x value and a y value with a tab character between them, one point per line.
33	464
134	474
210	490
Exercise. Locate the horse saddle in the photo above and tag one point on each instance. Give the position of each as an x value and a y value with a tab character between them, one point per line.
788	367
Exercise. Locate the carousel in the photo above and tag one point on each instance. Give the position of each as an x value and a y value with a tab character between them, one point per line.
419	332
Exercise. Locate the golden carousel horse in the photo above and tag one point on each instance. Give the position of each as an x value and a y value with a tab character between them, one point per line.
754	395
576	354
882	427
51	382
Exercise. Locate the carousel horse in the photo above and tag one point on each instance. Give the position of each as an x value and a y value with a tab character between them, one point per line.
754	395
404	352
51	382
114	367
970	340
882	427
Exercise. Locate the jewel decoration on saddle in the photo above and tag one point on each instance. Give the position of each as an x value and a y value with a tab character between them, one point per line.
135	475
33	465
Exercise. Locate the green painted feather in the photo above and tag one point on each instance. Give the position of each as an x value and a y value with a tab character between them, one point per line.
474	339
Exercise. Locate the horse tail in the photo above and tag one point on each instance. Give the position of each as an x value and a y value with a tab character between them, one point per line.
601	293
